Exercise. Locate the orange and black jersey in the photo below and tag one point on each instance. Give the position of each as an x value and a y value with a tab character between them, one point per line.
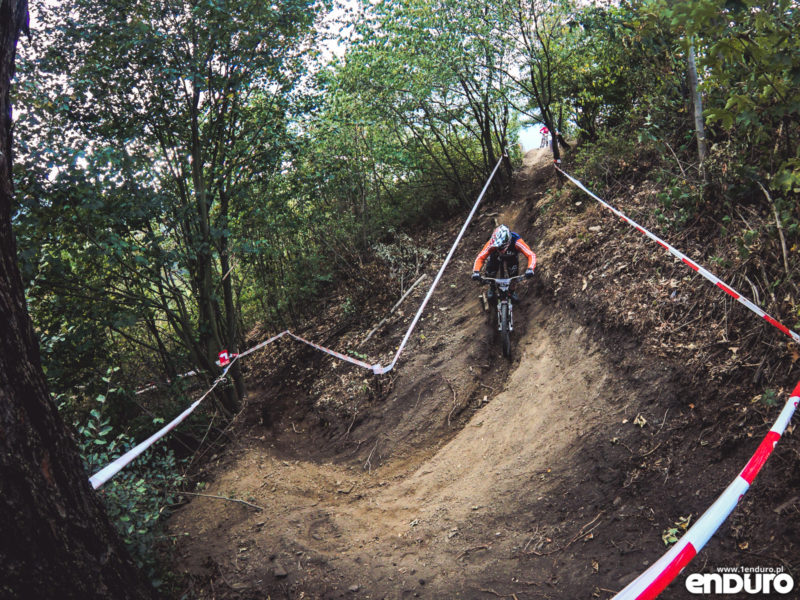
517	244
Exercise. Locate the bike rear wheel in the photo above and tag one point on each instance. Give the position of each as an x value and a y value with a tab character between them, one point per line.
505	330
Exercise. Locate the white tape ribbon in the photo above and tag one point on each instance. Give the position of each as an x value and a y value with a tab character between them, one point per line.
117	465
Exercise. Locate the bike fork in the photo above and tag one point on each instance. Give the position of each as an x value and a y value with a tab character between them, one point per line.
500	315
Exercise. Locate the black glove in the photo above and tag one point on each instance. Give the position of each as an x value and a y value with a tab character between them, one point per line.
476	275
528	273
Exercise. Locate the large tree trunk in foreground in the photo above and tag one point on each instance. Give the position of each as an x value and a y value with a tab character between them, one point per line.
55	538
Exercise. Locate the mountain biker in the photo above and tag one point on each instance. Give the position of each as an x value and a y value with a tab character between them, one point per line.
545	133
504	246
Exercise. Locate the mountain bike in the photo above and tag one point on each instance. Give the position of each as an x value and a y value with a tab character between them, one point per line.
505	310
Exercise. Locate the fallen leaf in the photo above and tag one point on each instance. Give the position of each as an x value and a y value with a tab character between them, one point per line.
669	536
794	350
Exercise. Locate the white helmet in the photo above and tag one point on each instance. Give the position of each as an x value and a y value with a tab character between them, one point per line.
501	237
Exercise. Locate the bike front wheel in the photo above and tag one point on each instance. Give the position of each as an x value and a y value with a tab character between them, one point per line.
505	330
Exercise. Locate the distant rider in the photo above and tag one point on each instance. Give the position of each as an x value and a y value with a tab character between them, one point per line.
504	246
545	133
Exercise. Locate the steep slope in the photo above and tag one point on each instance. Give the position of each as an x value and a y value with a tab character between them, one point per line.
552	476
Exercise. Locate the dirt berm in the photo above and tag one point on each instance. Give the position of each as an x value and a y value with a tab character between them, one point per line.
465	475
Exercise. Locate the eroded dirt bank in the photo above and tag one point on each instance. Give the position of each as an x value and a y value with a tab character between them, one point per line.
524	469
464	475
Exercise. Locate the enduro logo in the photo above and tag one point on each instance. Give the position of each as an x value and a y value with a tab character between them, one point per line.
751	580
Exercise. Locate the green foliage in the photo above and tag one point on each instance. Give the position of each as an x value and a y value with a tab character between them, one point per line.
392	137
749	54
404	258
88	267
418	76
170	144
680	200
617	65
599	166
671	534
138	498
358	355
156	124
769	398
349	307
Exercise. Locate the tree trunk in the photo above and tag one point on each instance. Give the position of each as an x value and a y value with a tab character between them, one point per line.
55	538
702	148
163	354
231	312
207	307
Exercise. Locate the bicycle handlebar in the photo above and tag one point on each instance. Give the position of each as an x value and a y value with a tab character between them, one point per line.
498	280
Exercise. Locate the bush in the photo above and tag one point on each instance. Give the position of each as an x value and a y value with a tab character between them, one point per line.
138	496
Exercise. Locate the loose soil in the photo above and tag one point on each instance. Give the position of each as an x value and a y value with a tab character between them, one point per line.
466	475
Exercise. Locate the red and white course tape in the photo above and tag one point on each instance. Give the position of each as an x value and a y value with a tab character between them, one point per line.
689	262
651	583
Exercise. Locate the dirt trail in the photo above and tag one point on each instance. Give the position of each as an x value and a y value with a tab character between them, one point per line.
470	477
428	521
393	528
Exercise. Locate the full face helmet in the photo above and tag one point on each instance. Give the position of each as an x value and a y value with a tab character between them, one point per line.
501	238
